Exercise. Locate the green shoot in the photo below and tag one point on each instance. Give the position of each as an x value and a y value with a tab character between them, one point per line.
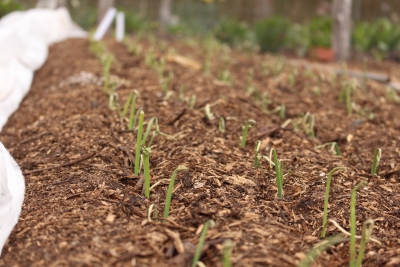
278	173
181	92
249	80
146	167
308	124
192	102
160	67
342	92
328	186
349	107
106	72
375	163
221	124
149	57
210	116
112	97
126	106
282	112
152	121
226	253
367	228
226	77
245	129
319	248
334	149
170	188
139	141
391	95
164	84
353	223
132	117
196	258
265	101
256	152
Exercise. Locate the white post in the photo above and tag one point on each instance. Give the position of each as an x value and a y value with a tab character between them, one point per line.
165	14
105	24
120	27
341	14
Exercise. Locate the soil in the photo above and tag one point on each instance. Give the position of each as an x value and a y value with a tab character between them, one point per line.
84	207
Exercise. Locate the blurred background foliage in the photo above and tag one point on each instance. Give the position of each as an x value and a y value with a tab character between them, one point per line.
291	26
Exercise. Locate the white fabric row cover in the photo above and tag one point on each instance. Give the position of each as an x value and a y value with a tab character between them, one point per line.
24	40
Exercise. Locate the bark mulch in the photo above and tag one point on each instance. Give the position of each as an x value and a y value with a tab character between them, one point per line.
84	207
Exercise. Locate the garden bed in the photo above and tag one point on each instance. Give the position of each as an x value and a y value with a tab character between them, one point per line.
82	206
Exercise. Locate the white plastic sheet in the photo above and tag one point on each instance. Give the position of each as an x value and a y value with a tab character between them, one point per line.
24	40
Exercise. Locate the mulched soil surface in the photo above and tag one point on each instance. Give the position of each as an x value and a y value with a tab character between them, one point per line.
84	207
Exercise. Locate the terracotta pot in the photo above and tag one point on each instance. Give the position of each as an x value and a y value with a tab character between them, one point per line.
322	54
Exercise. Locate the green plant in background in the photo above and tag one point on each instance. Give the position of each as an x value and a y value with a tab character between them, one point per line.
349	106
271	33
328	186
135	22
226	77
245	129
320	29
278	173
196	258
139	142
353	224
170	188
375	163
298	39
256	156
265	101
282	112
232	32
379	37
8	6
146	168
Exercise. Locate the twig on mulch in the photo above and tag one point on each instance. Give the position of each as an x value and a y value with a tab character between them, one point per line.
86	157
33	137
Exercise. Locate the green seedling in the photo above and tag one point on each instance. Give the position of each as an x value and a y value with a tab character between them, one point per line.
165	83
328	187
278	173
152	121
146	168
149	57
192	102
196	258
353	223
132	117
265	101
282	112
391	95
170	188
249	80
363	112
334	148
308	124
106	72
375	163
209	115
221	124
159	68
245	130
366	233
181	92
295	123
226	77
139	142
112	99
256	156
226	253
135	49
319	248
131	101
349	106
